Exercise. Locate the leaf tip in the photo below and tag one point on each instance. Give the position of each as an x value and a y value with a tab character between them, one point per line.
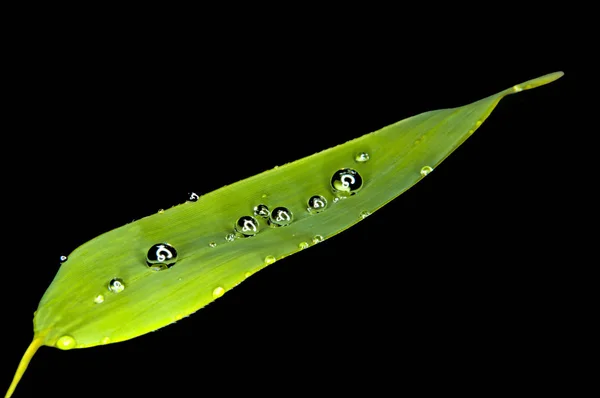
537	82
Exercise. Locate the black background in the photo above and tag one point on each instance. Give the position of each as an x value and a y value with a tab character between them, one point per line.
448	284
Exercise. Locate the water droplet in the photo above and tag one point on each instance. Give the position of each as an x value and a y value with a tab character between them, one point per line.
161	211
261	211
364	214
63	259
316	204
517	88
105	340
218	292
280	217
336	199
193	196
269	260
303	245
178	317
161	256
66	343
99	299
247	274
426	170
346	182
230	237
116	285
317	238
247	226
362	157
213	244
264	195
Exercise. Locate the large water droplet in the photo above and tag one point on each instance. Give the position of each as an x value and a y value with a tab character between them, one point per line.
362	157
66	343
247	226
261	211
426	170
317	239
116	285
269	260
316	204
346	182
99	299
161	256
218	292
280	217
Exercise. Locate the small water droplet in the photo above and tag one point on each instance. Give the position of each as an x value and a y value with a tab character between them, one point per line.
426	170
230	237
280	217
218	292
193	196
161	211
178	317
116	285
269	260
517	88
336	199
362	157
261	211
247	274
303	245
213	244
317	239
105	340
63	259
316	204
247	226
346	182
161	256
99	299
264	195
66	343
364	214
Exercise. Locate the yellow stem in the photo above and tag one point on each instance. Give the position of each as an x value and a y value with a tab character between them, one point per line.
31	350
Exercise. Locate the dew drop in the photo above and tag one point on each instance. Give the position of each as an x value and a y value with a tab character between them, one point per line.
247	226
63	259
218	292
316	204
346	182
362	157
426	170
193	197
99	299
161	256
303	245
261	211
317	239
66	343
116	285
161	211
105	340
230	237
247	274
364	214
213	244
280	217
269	260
